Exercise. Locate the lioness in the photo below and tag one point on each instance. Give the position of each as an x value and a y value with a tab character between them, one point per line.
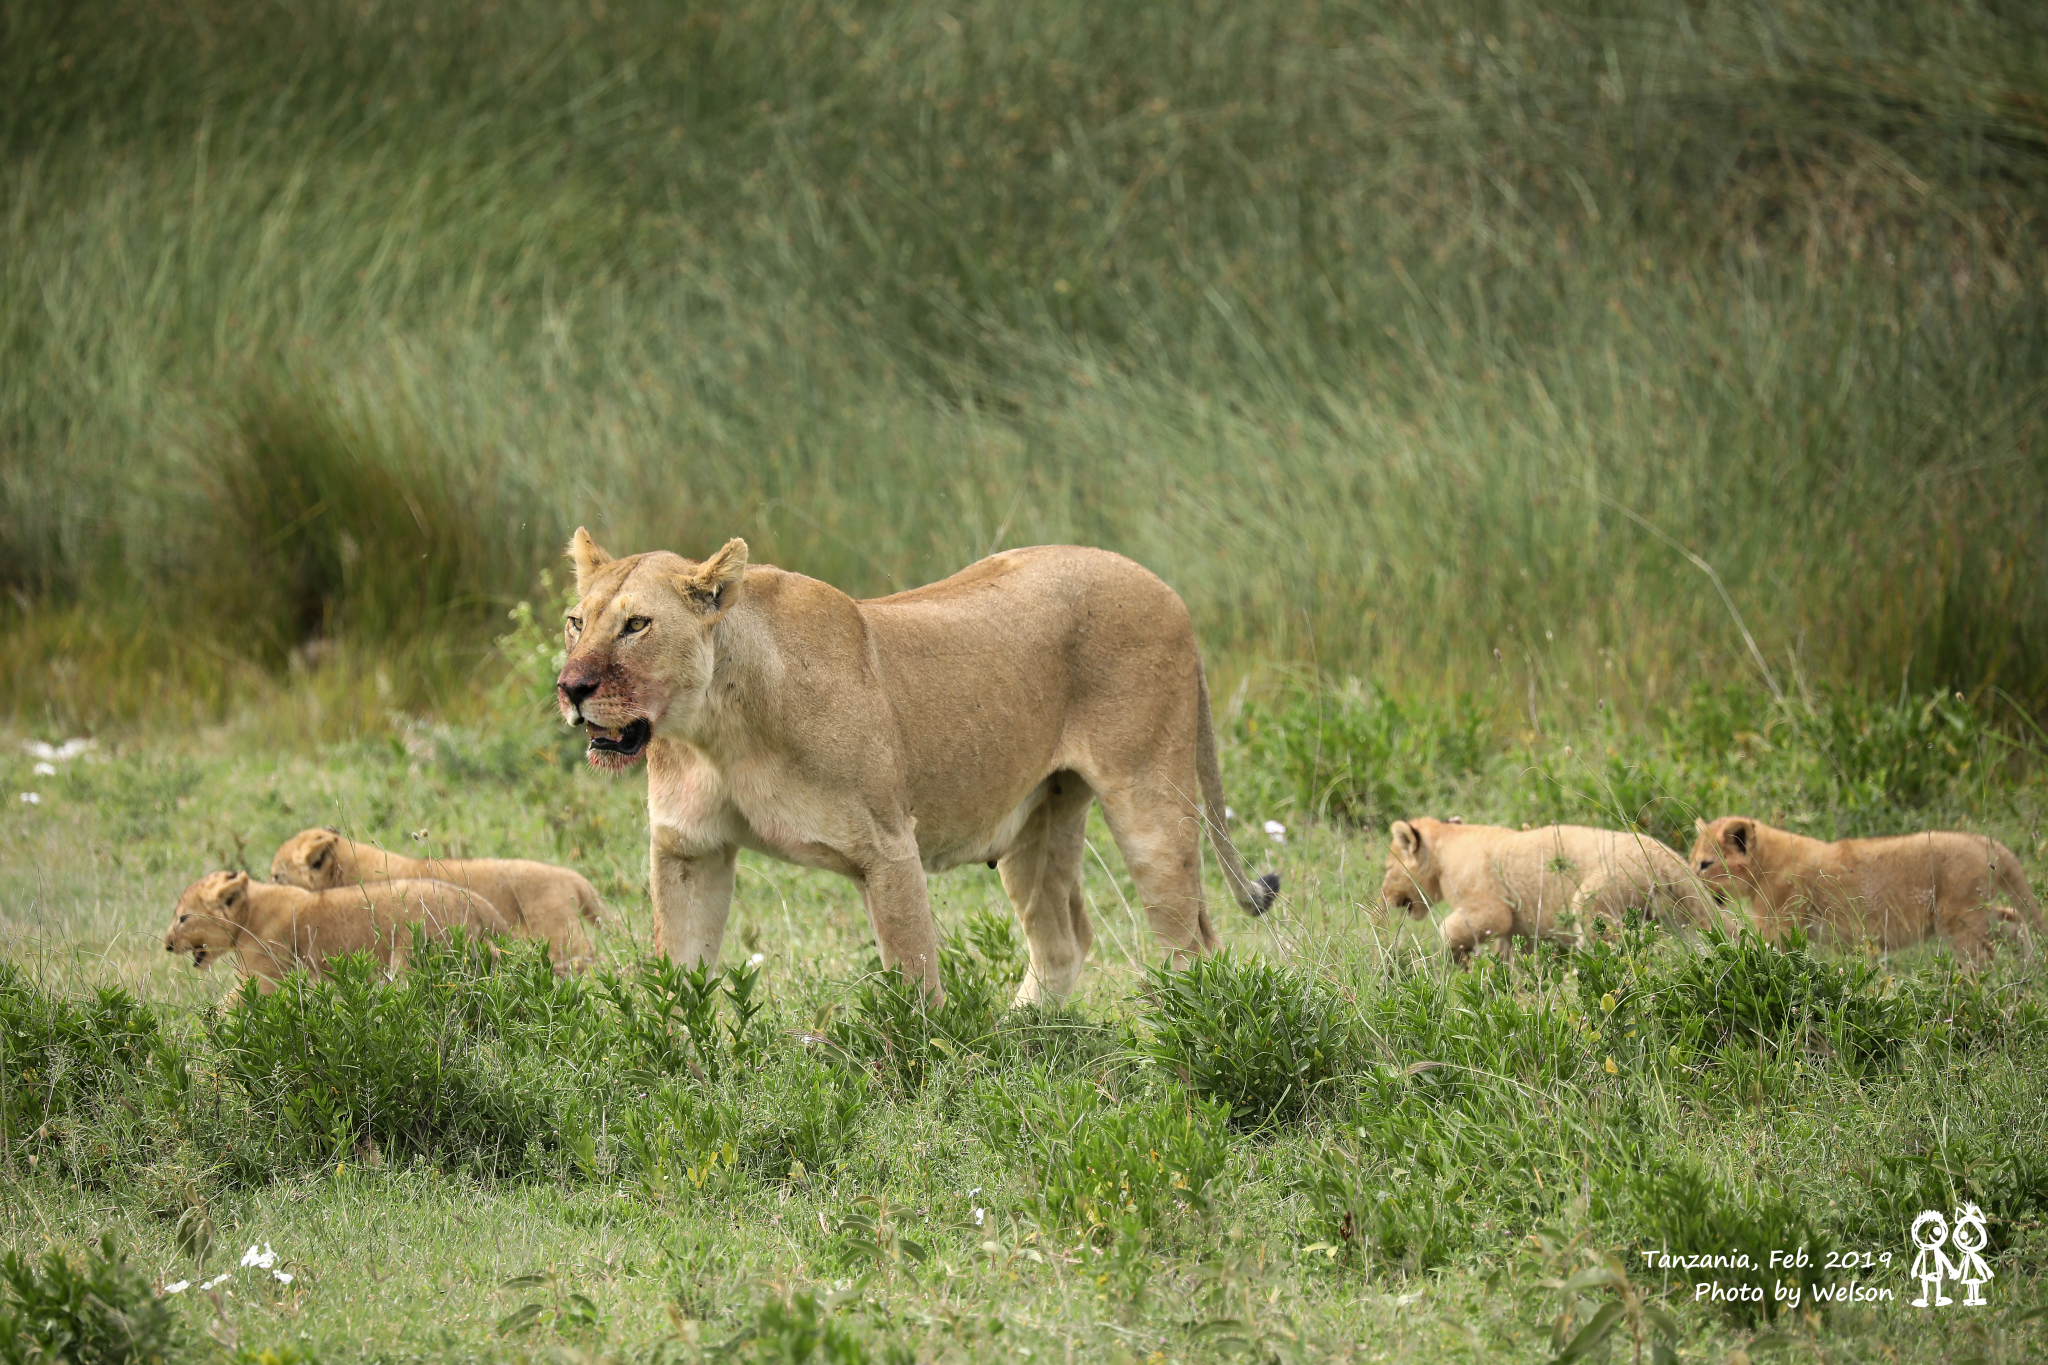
277	928
537	899
1896	891
1535	883
972	720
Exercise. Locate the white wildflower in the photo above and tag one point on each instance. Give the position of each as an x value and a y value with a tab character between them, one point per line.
47	770
1229	814
1276	831
282	1277
32	798
178	1288
979	1215
218	1280
757	959
263	1260
69	749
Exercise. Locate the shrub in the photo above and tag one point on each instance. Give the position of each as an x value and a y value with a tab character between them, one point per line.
1254	1036
892	1025
1683	1211
1100	1164
412	1068
101	1312
59	1054
681	1141
1779	999
1405	1221
817	1109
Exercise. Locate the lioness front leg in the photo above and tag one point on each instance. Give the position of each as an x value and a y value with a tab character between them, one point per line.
900	911
692	898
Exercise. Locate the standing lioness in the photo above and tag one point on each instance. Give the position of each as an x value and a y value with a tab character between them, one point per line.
1535	884
278	928
538	900
1896	891
973	720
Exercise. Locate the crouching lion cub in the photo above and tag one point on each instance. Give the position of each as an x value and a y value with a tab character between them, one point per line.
1896	891
1536	883
278	928
537	899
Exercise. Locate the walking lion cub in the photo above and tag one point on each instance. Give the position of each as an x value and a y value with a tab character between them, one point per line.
538	900
276	929
1896	891
1536	884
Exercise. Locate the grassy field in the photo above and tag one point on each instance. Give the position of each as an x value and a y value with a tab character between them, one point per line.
1331	1147
1620	413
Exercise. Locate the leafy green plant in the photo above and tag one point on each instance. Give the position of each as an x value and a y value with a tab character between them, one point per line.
1393	1218
1781	999
682	1142
1097	1162
893	1025
560	1307
409	1068
1254	1036
56	1054
100	1311
2006	1177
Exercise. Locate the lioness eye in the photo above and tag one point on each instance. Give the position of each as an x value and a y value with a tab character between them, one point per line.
636	624
576	624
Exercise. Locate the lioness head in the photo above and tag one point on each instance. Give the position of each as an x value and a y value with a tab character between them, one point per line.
1724	854
1413	882
209	913
641	641
310	859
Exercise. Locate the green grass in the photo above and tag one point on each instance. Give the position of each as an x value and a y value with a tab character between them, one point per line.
644	1163
1401	339
1621	413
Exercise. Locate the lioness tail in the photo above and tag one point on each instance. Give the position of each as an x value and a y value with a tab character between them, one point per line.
1255	896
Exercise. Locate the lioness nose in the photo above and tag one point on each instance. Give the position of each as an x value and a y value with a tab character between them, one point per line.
576	689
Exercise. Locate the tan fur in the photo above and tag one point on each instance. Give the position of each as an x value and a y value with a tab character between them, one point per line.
1535	884
537	899
972	720
1894	891
276	929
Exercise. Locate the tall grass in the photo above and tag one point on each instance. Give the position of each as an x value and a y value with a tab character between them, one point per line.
1416	341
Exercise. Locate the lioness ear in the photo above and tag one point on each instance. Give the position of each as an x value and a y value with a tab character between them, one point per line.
1407	839
714	585
589	557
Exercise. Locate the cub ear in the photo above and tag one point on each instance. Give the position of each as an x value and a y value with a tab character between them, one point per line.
233	889
1738	835
713	586
320	848
1407	839
588	556
1699	826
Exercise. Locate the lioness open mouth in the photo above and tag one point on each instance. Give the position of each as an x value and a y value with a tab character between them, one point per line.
626	743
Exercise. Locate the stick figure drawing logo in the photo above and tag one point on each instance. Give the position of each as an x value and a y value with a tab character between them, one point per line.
1969	1236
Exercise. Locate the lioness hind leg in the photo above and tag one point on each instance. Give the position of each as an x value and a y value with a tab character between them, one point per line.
1042	874
1159	833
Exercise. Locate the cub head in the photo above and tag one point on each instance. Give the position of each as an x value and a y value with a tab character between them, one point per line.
1724	854
1414	882
641	641
209	914
310	859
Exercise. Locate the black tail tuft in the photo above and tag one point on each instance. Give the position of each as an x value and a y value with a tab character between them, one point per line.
1263	892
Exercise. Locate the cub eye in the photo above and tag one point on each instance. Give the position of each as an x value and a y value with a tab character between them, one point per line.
183	918
636	624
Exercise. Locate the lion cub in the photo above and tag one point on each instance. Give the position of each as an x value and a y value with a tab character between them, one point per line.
1897	890
1536	883
277	928
536	899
